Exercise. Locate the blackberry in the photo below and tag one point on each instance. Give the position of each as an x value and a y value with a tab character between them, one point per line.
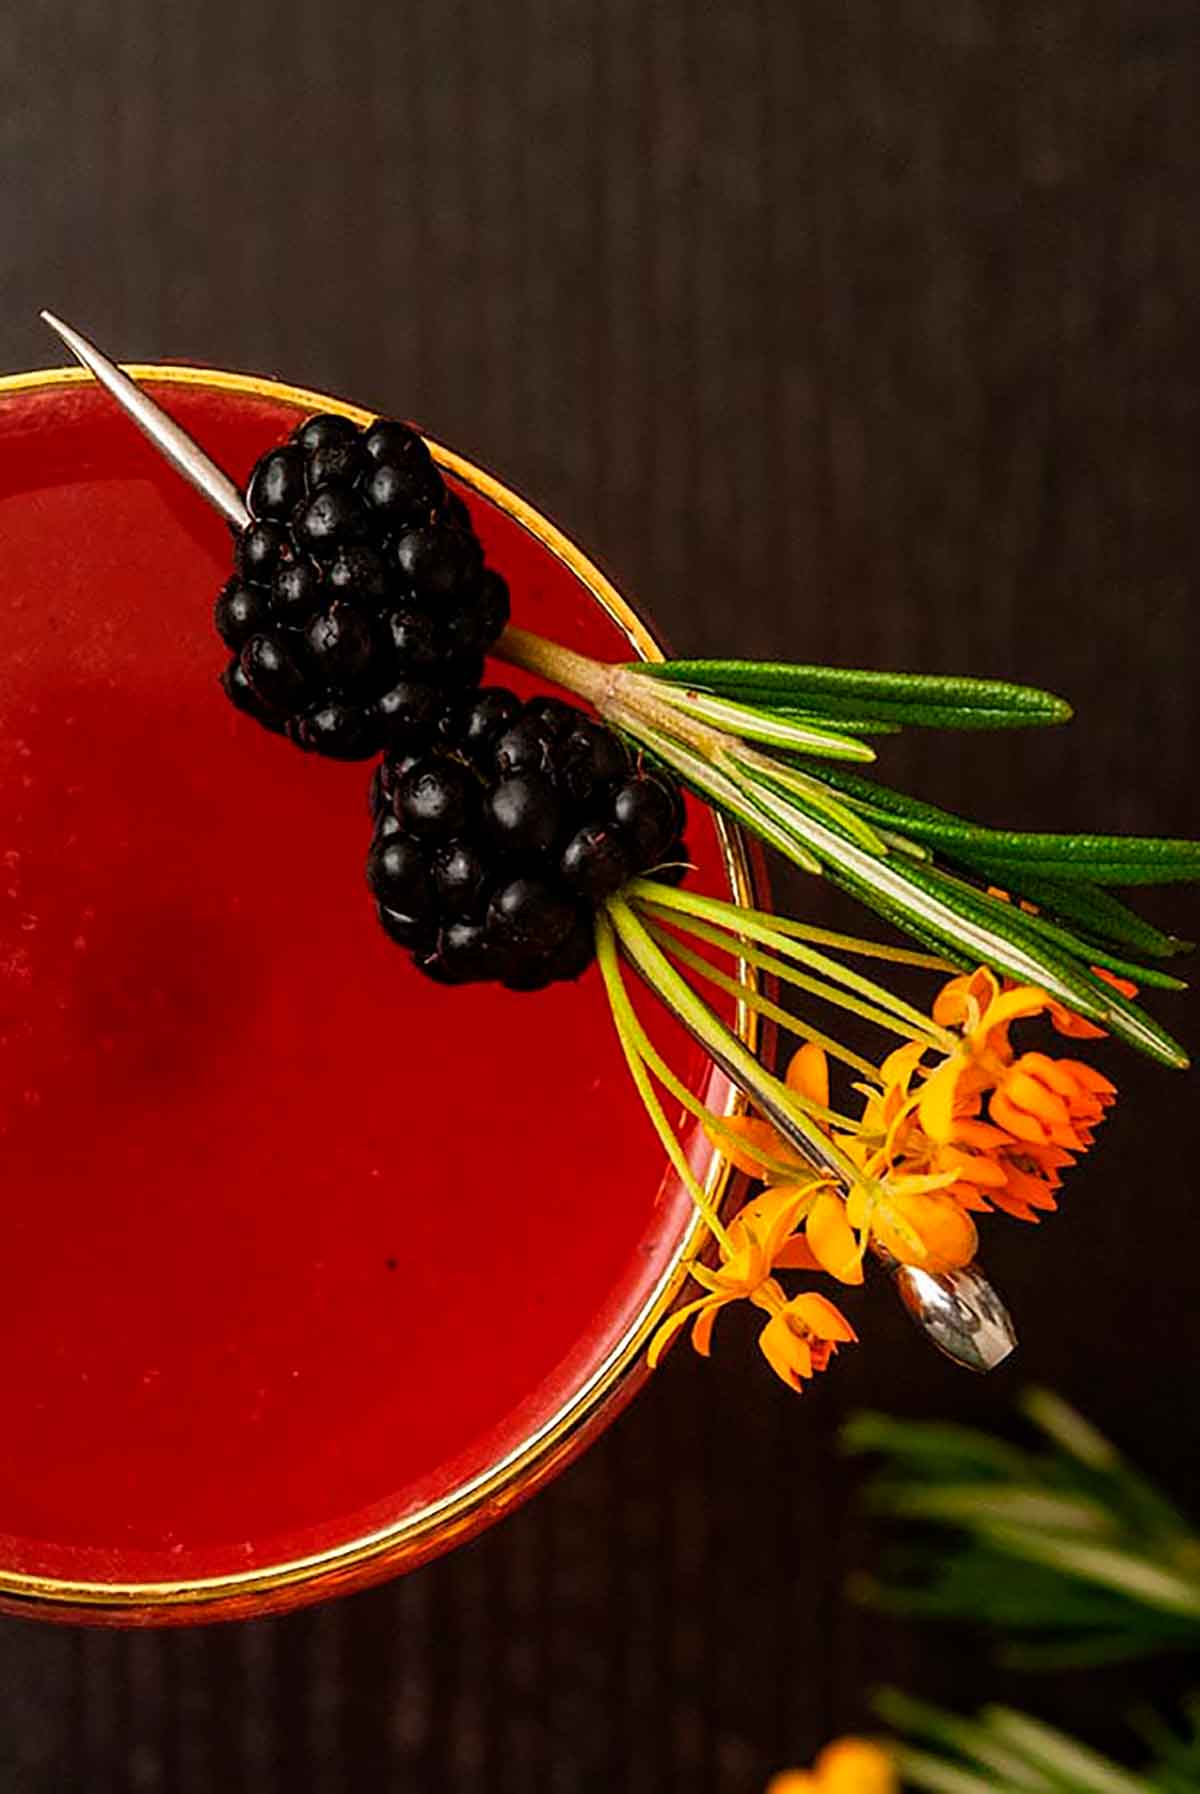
262	547
359	573
648	810
322	431
345	652
240	612
465	953
416	640
335	464
274	673
339	731
242	696
360	605
591	758
333	518
531	914
399	876
495	839
387	440
523	813
277	484
403	496
460	877
417	932
475	725
445	563
408	713
434	799
296	591
596	860
527	747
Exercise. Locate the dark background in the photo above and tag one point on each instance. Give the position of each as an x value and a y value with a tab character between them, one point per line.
851	330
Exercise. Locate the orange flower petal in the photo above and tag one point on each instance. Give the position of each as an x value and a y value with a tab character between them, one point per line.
968	1197
975	1167
1029	1189
1018	1121
832	1240
1060	1075
857	1206
670	1327
1023	1000
1091	1079
758	1136
786	1352
936	1107
953	1005
980	1135
898	1068
702	1332
946	1233
820	1316
796	1255
855	1766
1027	1091
1065	1021
763	1211
808	1074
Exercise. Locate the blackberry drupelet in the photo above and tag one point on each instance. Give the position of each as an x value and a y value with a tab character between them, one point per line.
360	607
495	842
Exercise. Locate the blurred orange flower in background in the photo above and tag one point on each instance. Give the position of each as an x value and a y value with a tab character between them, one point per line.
847	1766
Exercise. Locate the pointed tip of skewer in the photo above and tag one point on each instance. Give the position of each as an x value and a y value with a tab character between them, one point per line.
84	351
60	328
184	454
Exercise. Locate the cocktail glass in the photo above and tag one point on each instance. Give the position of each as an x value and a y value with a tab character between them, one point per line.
314	1268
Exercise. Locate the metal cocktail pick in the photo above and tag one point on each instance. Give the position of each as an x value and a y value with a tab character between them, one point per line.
185	455
958	1310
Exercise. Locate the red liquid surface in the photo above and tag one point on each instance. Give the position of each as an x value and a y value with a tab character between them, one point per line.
295	1242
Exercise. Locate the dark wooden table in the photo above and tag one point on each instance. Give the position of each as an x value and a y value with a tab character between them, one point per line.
853	331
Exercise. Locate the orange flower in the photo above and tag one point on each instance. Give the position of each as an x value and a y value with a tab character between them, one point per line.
802	1333
1051	1102
847	1766
917	1220
983	1129
983	1012
761	1151
1067	1022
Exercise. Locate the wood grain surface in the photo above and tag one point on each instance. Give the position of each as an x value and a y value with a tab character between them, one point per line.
852	330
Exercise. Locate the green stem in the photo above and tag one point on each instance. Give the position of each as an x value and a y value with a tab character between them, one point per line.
787	974
772	1097
772	1012
627	1026
712	1123
827	937
683	903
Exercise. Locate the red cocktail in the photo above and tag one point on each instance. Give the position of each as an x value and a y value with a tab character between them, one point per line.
313	1266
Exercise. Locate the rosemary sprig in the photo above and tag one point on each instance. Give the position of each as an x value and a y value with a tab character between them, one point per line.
723	727
926	700
1076	1559
1086	1560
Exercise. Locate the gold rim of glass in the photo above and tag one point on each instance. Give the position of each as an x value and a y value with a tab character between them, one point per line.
427	1531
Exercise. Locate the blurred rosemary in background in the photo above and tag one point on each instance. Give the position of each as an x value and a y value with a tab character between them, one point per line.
1073	1558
